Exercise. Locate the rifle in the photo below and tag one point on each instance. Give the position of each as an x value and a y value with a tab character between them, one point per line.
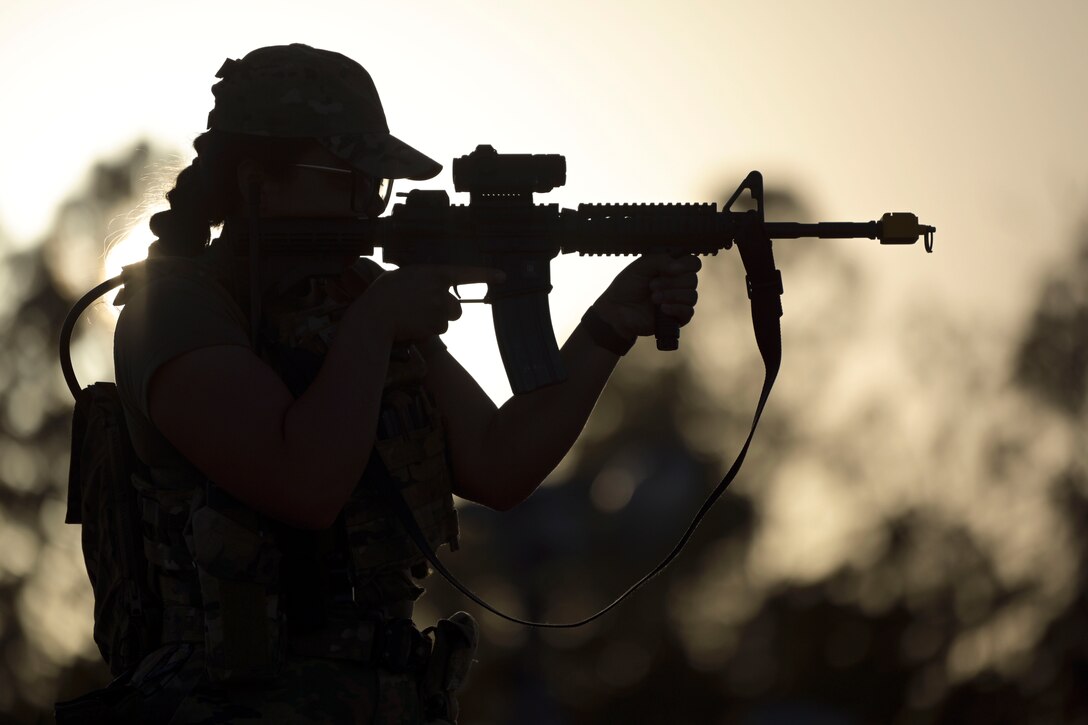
503	228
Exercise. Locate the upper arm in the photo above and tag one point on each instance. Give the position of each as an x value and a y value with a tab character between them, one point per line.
183	363
223	409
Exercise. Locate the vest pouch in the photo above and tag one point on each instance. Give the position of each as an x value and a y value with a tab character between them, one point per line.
416	460
101	497
238	568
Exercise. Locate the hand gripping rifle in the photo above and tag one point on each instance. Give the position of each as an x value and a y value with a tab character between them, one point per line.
503	228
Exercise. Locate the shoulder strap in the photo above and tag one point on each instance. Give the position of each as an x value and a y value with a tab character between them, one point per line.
764	284
70	324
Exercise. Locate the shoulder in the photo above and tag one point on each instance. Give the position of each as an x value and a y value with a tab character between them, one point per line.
173	291
171	306
211	273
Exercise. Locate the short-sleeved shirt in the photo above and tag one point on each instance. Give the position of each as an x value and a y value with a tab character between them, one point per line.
172	305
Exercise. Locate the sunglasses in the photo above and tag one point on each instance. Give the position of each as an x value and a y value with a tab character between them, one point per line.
370	205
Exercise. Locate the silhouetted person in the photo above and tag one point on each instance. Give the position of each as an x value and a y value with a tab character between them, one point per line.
287	583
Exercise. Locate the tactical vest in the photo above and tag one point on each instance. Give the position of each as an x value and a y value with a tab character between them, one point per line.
251	589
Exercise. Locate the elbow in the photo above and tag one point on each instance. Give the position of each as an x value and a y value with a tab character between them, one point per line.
501	496
306	514
311	521
310	491
499	482
309	507
512	495
502	505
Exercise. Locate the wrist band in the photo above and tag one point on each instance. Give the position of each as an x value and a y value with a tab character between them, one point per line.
604	336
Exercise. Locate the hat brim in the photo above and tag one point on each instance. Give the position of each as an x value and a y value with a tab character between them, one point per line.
382	156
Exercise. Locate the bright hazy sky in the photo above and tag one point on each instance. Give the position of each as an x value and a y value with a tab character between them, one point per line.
971	114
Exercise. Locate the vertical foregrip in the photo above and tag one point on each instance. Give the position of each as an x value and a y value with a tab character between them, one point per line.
666	330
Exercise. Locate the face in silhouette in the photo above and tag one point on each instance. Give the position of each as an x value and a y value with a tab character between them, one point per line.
316	184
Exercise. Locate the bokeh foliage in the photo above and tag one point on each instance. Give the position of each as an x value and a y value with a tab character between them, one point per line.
45	599
904	545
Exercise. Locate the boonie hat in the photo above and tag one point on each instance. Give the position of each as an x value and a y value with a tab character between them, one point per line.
296	91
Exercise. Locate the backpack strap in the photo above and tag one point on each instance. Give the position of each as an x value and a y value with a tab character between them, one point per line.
70	324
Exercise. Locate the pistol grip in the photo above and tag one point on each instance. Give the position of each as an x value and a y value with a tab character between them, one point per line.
666	329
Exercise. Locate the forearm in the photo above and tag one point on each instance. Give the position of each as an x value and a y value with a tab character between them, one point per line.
331	427
531	433
295	459
501	456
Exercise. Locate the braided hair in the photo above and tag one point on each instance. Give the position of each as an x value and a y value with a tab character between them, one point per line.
207	191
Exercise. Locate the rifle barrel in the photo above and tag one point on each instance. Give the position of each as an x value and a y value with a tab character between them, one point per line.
823	230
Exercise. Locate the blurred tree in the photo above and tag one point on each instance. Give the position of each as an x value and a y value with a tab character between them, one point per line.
665	430
1052	360
904	545
46	650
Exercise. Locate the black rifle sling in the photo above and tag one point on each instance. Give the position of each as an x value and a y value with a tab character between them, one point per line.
765	292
